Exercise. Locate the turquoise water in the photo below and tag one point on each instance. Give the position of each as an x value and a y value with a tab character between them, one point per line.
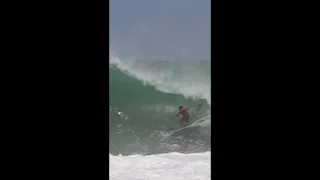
144	96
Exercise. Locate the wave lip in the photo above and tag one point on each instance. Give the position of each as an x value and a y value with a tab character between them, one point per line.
190	79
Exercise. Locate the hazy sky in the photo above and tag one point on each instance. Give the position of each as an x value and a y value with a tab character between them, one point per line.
160	29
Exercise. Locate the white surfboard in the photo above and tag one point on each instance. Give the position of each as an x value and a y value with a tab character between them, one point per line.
191	125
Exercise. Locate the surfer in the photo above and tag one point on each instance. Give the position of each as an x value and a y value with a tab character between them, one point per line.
184	121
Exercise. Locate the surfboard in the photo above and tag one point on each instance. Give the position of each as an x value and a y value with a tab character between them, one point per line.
180	129
191	125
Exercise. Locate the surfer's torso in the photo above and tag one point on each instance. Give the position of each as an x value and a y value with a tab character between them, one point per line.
184	112
185	117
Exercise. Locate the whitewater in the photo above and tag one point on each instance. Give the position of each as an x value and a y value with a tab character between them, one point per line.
143	97
170	166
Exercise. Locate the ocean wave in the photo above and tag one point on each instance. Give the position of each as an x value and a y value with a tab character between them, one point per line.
145	95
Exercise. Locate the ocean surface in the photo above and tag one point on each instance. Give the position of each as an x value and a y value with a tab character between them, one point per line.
144	97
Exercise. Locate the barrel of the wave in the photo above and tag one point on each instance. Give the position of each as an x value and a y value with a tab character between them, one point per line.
142	110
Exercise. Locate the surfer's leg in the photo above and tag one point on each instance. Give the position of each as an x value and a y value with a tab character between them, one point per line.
184	121
187	120
181	122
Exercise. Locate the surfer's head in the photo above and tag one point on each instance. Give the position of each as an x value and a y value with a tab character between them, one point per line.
180	107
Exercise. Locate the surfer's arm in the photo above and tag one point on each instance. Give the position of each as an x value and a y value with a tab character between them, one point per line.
177	114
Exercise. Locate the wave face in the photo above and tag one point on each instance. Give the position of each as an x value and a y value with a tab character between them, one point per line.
145	95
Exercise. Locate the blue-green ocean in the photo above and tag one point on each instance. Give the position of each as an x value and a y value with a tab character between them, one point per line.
144	97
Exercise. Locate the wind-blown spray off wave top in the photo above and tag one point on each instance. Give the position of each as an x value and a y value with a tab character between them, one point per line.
145	95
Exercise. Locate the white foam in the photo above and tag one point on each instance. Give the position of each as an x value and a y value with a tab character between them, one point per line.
187	81
171	166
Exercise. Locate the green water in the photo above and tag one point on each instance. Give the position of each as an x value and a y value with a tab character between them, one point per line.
145	96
